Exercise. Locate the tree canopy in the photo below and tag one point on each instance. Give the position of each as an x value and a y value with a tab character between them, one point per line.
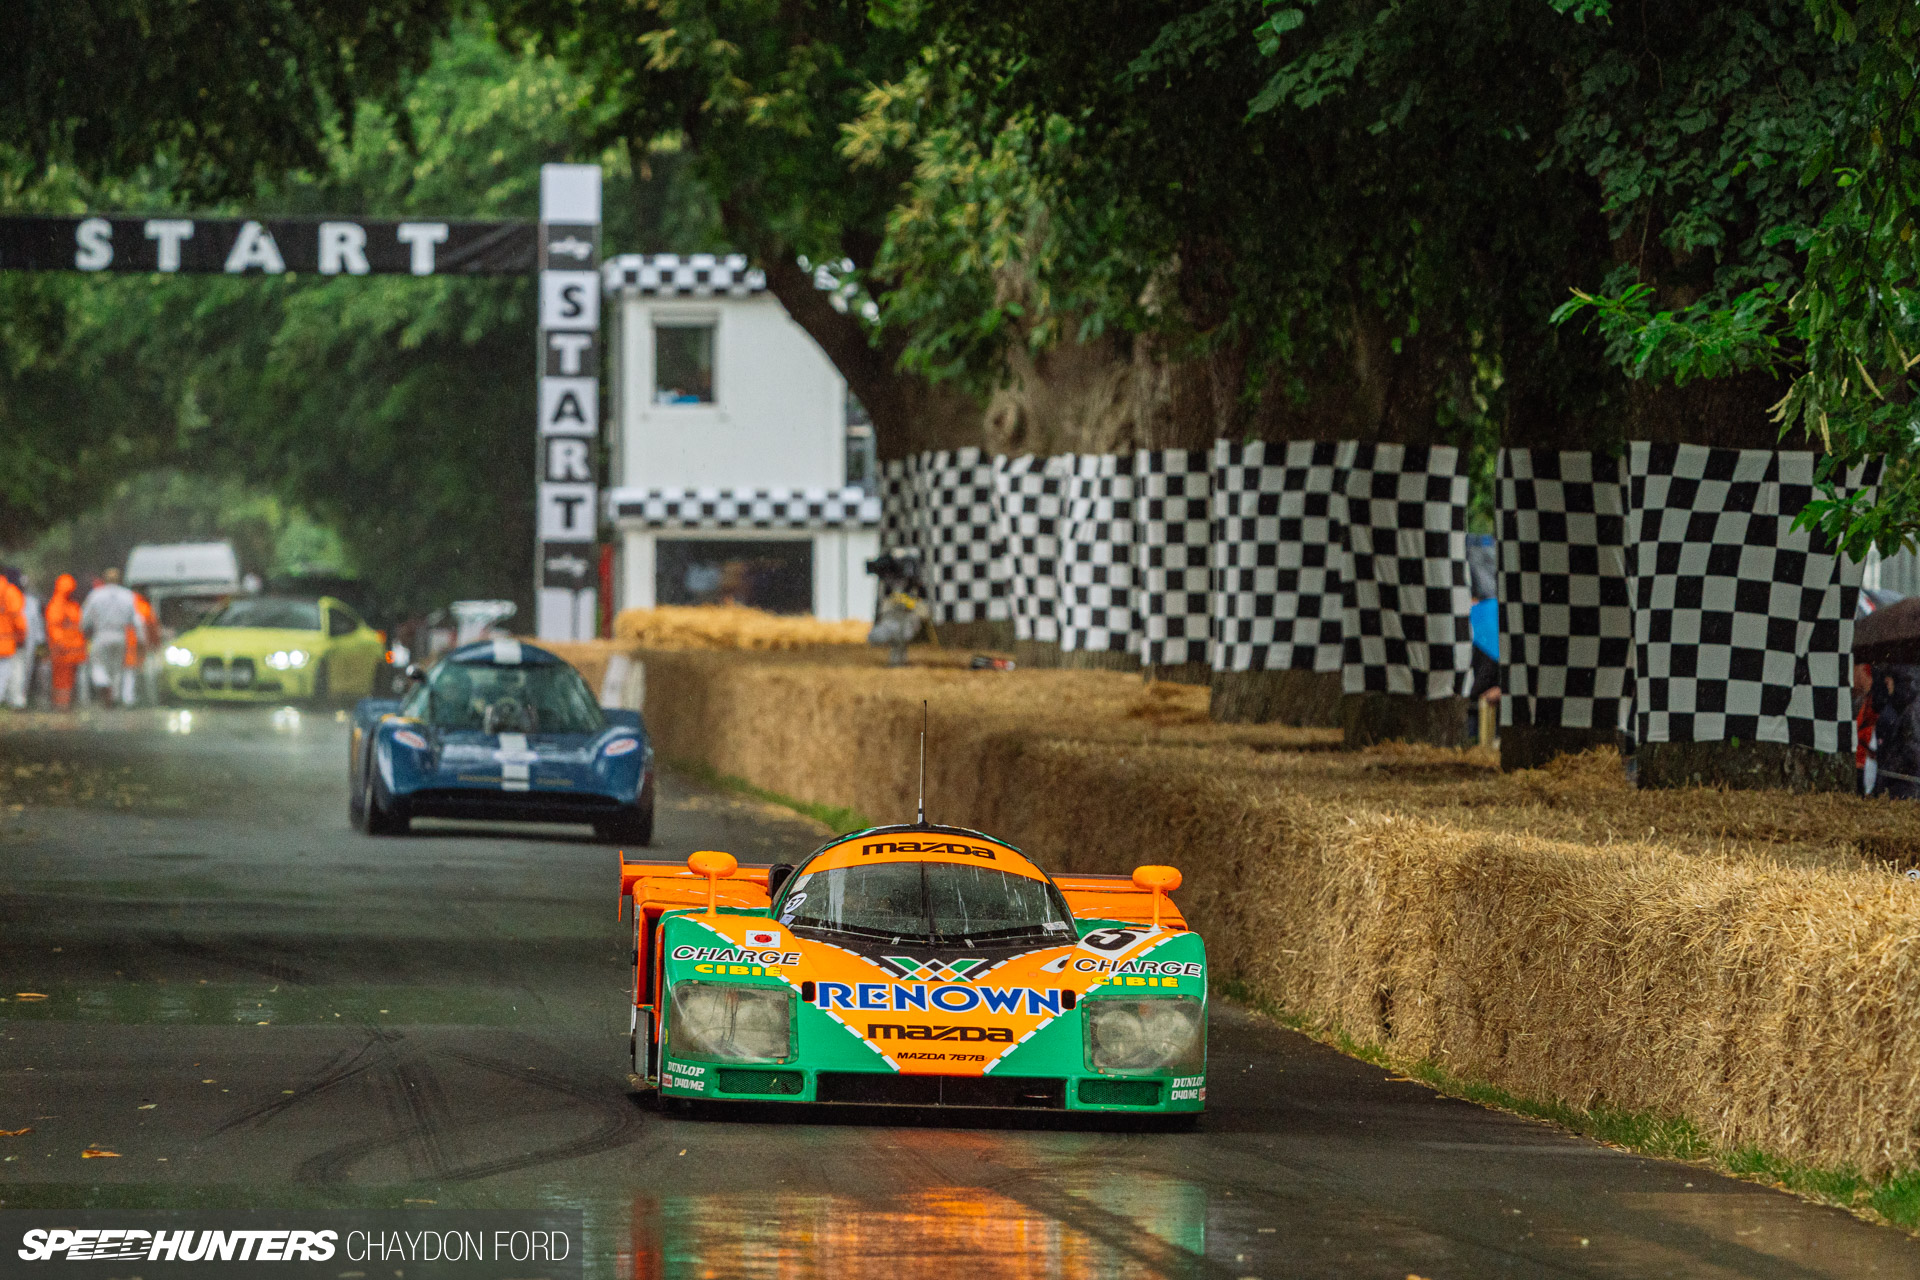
1488	221
397	411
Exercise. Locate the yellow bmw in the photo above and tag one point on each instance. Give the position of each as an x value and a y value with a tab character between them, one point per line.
275	649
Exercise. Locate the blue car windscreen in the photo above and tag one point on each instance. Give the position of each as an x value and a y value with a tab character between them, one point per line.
490	699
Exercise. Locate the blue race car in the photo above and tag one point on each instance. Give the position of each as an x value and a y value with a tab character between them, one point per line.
500	730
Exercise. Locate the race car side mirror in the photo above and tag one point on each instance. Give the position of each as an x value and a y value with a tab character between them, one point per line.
777	874
414	674
715	866
1159	881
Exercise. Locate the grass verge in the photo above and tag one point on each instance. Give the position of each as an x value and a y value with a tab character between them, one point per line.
1894	1200
841	819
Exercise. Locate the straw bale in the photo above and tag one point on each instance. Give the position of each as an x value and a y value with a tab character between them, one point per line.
588	657
1749	961
730	627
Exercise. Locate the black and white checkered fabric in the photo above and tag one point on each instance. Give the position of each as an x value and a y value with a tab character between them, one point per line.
1173	540
848	508
1278	539
1404	577
693	275
1566	616
1743	626
1096	556
942	505
1029	501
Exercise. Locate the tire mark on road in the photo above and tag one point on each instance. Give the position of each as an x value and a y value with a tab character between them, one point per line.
430	1121
622	1121
408	1081
332	1073
230	957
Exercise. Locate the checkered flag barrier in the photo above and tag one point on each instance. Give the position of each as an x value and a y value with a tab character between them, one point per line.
1172	548
848	508
1277	533
1404	576
942	505
1566	618
693	275
1743	625
897	522
1029	503
1096	556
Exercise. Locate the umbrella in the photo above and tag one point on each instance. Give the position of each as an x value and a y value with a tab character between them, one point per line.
1889	634
1485	620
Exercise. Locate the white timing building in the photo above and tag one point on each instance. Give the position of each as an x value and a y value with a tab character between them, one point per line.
739	474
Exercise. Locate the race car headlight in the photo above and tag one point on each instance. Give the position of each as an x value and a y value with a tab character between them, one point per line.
726	1022
178	657
621	747
1145	1037
282	659
408	738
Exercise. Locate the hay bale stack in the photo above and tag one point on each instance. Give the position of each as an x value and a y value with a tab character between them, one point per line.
1751	962
730	627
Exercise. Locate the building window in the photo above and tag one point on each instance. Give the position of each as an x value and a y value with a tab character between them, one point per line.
862	471
683	364
775	575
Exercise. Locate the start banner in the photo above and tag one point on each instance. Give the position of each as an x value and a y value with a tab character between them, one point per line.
267	246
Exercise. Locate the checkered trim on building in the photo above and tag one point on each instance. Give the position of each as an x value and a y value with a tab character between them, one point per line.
1404	576
1277	534
1173	540
1096	556
942	505
849	508
1029	501
673	275
1742	625
1566	616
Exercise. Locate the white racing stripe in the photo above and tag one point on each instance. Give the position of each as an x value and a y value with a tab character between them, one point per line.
516	762
506	653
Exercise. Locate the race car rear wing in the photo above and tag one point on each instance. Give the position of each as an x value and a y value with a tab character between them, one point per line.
656	887
1116	898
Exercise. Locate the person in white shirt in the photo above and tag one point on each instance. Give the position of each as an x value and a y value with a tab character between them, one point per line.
23	669
105	617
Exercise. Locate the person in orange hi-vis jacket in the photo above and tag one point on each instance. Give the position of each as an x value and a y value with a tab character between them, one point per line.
66	642
142	634
13	631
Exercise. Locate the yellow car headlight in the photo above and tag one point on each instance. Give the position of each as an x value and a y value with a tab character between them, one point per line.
178	657
287	659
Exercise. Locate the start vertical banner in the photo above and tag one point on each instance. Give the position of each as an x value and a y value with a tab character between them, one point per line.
566	569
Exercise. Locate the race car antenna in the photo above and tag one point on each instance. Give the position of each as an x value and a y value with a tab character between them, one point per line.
922	819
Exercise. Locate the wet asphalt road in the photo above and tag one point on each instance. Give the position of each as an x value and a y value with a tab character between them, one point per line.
254	1006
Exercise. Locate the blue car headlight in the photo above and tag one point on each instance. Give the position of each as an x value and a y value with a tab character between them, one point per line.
408	738
621	747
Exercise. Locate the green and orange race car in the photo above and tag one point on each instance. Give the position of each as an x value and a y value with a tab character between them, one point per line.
920	965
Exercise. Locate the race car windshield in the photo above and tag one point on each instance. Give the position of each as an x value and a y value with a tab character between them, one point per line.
489	699
261	611
926	901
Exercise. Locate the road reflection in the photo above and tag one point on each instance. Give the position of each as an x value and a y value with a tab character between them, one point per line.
1128	1227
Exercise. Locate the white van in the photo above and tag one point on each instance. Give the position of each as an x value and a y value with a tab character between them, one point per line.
183	580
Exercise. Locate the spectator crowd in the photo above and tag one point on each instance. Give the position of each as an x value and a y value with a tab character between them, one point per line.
73	649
